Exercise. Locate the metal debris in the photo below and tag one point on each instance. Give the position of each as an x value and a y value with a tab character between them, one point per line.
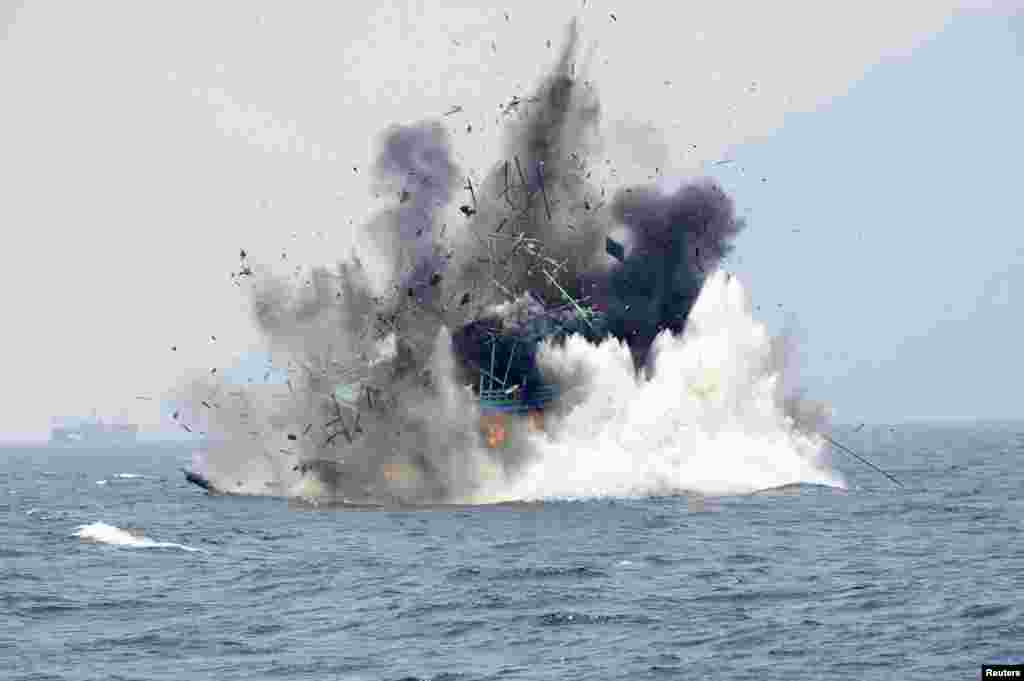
615	249
540	173
860	458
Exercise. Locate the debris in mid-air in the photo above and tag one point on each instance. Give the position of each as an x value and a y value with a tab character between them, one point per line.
527	266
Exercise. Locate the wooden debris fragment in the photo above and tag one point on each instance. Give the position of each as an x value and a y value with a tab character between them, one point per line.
547	206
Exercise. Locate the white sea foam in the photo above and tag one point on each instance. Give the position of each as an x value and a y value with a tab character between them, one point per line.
124	476
710	418
103	533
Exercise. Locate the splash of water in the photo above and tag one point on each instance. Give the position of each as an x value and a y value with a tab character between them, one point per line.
102	533
709	416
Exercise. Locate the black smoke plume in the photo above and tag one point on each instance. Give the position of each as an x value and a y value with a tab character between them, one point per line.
677	240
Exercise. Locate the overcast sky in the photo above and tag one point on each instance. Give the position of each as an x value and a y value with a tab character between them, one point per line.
144	144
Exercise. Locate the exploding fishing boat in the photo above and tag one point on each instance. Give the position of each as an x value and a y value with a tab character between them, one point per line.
395	387
502	350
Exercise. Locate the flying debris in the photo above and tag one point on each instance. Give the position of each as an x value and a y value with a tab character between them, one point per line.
514	102
615	249
425	387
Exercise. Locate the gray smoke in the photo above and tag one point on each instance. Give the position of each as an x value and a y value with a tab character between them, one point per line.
415	164
381	405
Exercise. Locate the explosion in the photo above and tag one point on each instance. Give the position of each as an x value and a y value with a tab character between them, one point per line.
513	344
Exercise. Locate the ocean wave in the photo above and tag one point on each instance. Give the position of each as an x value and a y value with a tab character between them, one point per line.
102	533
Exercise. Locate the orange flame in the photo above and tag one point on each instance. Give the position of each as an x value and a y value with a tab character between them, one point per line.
494	430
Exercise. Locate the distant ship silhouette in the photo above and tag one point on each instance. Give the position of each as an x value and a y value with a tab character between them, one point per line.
93	432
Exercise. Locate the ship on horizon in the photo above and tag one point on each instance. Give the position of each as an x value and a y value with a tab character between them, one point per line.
93	431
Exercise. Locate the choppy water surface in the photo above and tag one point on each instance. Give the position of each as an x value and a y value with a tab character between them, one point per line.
113	567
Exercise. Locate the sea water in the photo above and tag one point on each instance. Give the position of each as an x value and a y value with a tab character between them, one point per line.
113	567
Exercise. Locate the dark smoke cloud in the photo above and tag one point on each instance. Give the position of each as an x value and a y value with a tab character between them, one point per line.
677	240
407	427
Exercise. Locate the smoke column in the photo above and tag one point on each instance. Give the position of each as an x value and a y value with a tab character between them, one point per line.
381	405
